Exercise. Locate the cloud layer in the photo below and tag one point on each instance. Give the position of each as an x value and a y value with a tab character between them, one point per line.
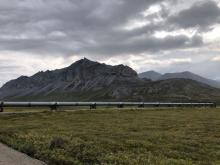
59	32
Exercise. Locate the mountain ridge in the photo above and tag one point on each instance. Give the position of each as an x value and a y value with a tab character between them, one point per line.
150	75
78	76
87	80
184	75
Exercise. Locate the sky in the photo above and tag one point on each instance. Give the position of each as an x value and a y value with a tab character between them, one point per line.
161	35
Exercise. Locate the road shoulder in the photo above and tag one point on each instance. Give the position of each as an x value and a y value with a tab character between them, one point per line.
9	156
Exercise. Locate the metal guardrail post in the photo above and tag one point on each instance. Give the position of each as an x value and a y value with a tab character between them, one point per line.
141	105
120	105
214	105
53	107
1	107
157	104
93	106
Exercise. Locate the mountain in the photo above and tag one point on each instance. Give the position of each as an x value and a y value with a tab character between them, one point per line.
185	75
192	76
87	80
83	75
152	75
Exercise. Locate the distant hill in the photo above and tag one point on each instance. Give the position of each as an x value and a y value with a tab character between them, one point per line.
152	75
87	80
185	75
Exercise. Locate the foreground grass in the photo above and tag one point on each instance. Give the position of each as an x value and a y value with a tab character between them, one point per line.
168	136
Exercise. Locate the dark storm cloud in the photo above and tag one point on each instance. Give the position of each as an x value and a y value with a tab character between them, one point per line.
150	44
98	29
28	25
201	15
77	27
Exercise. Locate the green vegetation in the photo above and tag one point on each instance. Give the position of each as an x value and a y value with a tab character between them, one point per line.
153	136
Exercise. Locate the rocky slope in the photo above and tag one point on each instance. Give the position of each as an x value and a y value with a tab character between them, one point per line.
87	80
83	75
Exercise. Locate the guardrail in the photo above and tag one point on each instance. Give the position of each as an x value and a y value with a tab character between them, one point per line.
93	105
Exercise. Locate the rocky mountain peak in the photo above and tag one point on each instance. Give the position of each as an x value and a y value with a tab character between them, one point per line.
84	61
93	68
82	75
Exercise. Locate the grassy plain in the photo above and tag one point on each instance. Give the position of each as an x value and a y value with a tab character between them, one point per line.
150	136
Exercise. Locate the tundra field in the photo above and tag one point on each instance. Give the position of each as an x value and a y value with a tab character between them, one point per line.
111	136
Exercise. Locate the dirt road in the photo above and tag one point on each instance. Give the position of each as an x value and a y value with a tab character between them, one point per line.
9	156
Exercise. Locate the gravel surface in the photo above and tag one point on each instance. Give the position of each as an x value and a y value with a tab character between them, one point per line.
9	156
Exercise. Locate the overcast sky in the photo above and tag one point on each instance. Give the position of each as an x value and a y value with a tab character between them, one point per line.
160	35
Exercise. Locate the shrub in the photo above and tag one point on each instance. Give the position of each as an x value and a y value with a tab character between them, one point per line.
58	142
28	149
